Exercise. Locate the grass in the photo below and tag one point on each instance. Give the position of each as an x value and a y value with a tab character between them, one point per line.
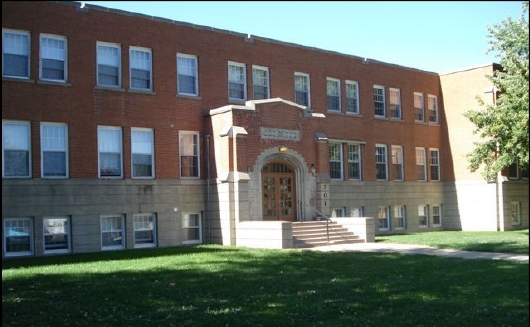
505	242
225	286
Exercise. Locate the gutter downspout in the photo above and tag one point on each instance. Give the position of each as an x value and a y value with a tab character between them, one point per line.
208	218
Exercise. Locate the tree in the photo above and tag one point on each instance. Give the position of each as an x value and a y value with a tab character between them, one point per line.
503	126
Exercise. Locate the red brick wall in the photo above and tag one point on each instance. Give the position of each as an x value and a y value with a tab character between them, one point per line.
84	107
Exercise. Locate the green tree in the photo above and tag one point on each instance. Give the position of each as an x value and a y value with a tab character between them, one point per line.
503	126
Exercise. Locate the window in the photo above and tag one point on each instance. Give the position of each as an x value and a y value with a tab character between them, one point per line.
383	215
399	217
237	81
142	156
109	64
395	103
397	162
335	160
419	107
516	213
144	226
338	212
18	236
54	150
15	48
141	68
187	71
380	162
333	93
301	89
421	175
110	151
435	165
432	107
379	101
53	58
436	216
112	232
352	97
357	211
423	215
354	161
191	228
189	154
16	149
260	83
56	234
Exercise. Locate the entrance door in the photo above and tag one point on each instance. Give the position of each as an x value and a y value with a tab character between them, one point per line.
278	192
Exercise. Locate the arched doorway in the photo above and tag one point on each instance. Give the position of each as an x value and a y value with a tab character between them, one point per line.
278	192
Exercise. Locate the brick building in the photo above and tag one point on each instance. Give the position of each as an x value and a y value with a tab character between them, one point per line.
122	130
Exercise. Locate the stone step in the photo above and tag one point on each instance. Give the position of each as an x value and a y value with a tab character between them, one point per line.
315	233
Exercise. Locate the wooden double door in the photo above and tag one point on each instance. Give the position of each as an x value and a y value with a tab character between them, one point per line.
278	192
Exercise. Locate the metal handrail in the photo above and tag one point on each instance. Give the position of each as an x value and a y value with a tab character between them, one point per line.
322	215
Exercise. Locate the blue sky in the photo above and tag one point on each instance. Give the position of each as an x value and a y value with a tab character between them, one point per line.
437	36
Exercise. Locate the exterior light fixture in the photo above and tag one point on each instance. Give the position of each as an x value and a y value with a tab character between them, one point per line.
282	149
313	170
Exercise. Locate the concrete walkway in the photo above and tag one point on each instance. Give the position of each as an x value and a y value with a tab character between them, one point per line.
419	249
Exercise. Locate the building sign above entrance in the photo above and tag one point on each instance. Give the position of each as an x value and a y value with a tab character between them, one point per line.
280	134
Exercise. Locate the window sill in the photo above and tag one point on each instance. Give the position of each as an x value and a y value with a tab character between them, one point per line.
55	83
140	91
109	88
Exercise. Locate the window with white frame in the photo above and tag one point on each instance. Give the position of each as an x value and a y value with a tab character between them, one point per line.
142	153
53	54
399	217
423	215
335	160
421	174
110	152
54	150
301	89
260	83
357	211
419	107
18	237
338	212
435	164
380	162
112	232
436	216
516	213
189	154
354	161
16	146
383	213
379	101
56	233
237	81
16	51
144	230
188	76
432	107
141	73
397	162
333	94
352	97
109	64
395	103
191	228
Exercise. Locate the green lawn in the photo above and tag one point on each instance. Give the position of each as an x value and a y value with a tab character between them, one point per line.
503	242
226	286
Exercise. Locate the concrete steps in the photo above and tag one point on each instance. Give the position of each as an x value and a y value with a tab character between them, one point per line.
314	233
